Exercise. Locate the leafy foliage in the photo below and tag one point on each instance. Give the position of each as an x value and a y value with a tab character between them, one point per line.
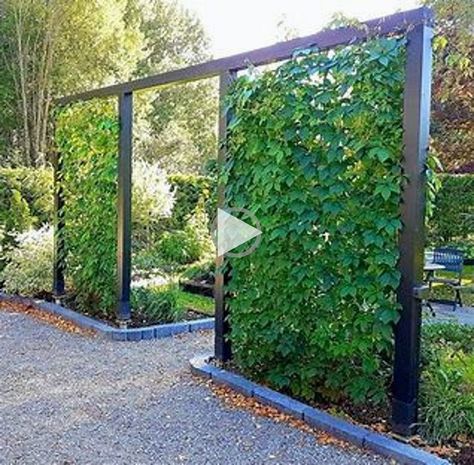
453	215
451	337
29	269
26	198
188	245
447	388
203	270
157	304
314	152
452	126
87	138
152	202
189	190
195	302
177	122
59	47
65	46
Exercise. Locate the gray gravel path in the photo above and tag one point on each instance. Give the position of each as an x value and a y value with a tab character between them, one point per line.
67	399
445	314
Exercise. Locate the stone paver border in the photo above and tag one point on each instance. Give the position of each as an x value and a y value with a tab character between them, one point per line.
111	332
339	428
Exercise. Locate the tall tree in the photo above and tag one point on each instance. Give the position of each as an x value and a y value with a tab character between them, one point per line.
453	92
56	47
178	124
51	47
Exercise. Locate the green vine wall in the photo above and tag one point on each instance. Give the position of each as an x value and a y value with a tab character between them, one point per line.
87	139
315	150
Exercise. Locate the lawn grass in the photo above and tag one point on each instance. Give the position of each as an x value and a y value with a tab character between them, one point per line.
205	305
196	302
441	291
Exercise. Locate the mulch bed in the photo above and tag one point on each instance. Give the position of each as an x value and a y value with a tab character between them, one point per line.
465	455
137	320
28	307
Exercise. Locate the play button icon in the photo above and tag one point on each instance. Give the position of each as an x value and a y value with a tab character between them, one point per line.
232	232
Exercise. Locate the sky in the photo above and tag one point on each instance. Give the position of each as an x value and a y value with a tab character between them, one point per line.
240	25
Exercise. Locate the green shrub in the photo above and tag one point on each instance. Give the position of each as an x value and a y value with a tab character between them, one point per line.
446	336
448	399
188	245
452	222
180	247
26	199
189	191
29	269
447	382
202	270
87	138
152	203
157	304
315	149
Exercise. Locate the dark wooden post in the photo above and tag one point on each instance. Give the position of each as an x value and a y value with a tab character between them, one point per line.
416	133
222	345
124	208
59	251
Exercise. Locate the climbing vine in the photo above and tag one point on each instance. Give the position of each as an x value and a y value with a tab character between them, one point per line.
314	152
87	139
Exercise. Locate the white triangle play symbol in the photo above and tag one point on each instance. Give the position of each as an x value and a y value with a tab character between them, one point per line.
231	232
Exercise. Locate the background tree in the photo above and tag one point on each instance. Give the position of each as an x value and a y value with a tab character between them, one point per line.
56	47
453	94
177	124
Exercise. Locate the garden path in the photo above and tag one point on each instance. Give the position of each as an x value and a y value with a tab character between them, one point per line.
445	314
71	399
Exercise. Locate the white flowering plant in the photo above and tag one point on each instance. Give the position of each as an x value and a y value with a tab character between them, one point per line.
29	264
152	200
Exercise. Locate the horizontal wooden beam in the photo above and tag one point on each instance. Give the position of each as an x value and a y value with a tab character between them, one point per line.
323	40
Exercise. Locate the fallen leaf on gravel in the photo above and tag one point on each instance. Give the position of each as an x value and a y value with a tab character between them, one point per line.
17	306
235	400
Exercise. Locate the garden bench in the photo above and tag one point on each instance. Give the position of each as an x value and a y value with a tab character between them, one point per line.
452	261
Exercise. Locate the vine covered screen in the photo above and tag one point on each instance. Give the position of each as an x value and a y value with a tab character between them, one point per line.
87	141
315	152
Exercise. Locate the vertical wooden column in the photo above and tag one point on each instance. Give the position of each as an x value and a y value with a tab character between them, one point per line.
416	122
222	345
124	208
59	251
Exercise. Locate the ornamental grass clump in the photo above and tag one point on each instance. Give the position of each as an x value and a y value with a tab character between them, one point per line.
157	304
447	383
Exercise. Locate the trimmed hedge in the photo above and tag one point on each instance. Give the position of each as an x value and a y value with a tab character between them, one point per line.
453	215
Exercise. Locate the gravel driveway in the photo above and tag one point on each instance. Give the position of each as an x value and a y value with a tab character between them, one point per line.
70	399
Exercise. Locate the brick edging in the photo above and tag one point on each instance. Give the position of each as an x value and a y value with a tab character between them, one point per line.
405	454
111	332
